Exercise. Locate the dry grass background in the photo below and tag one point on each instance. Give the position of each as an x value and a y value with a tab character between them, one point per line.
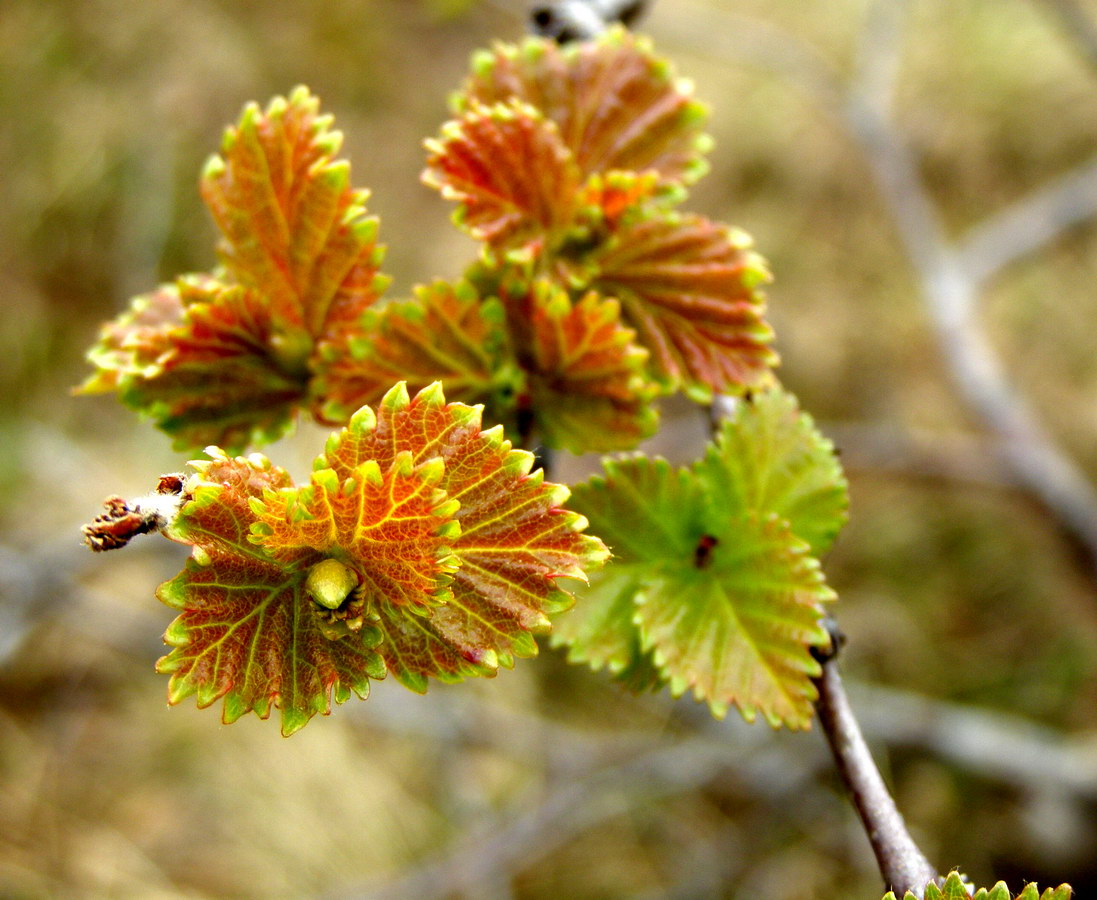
549	782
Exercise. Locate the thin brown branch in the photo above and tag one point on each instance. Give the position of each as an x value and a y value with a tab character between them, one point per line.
571	806
902	864
1078	25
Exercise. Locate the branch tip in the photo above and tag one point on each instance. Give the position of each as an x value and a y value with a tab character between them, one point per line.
566	21
123	520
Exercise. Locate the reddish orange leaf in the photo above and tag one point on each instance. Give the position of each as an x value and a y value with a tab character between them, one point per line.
585	371
227	359
608	198
247	630
510	171
134	343
445	334
198	357
293	227
690	288
617	105
420	541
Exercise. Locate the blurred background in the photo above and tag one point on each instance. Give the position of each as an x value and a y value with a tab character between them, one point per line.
970	603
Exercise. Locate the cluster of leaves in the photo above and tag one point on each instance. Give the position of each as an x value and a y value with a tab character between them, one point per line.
592	294
421	546
955	889
227	357
716	584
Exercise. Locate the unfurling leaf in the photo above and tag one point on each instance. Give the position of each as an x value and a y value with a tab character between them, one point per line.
421	546
292	226
954	888
227	358
691	290
585	372
446	333
509	169
712	577
616	104
197	357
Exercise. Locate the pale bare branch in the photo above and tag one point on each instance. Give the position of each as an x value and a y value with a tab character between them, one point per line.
1030	224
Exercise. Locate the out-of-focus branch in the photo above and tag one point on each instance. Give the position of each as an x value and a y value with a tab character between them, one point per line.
949	277
572	806
951	296
1078	25
595	776
920	453
995	745
1029	224
581	20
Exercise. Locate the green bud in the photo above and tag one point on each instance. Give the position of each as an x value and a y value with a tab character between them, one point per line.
329	583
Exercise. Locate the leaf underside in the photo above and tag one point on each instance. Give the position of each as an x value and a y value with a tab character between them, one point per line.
455	550
567	161
713	576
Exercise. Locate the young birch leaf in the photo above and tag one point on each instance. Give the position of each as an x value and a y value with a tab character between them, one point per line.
194	356
135	344
445	334
650	518
768	456
608	199
954	888
617	105
509	169
739	629
293	227
725	598
247	630
421	546
227	358
586	385
690	288
514	541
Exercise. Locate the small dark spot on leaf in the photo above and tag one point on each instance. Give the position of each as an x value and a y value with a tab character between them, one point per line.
702	556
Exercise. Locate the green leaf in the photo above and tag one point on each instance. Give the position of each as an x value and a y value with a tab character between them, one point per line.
421	545
586	381
446	333
740	630
650	518
769	458
954	888
726	599
616	104
509	169
690	289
